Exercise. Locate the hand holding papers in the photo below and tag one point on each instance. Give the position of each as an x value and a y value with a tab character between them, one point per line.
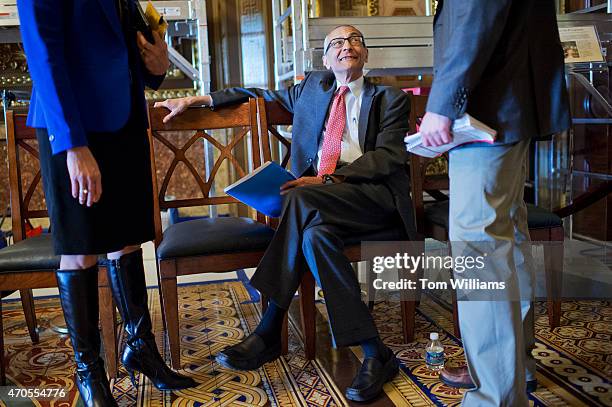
465	130
261	188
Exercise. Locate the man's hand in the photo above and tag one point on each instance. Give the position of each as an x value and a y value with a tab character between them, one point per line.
176	106
179	105
435	130
154	56
300	182
85	177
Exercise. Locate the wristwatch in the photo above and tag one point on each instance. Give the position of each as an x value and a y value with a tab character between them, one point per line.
328	179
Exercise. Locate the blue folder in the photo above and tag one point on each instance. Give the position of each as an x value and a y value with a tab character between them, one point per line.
261	188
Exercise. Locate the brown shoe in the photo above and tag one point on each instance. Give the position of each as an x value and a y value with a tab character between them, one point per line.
458	377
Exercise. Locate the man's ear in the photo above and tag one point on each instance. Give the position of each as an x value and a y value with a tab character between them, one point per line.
326	62
366	55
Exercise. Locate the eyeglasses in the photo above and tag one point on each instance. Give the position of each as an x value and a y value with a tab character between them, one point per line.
337	43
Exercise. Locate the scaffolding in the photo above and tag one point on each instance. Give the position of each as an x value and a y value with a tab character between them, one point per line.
397	45
186	19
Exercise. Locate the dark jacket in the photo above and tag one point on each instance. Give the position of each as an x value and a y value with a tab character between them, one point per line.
383	123
500	61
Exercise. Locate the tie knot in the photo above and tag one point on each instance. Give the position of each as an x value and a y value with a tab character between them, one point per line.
342	90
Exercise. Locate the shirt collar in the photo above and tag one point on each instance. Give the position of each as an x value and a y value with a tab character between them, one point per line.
355	87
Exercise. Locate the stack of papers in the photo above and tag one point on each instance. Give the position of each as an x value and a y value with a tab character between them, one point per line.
466	129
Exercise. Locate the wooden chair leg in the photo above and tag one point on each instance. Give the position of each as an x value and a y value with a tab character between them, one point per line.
161	296
410	303
108	325
171	314
27	302
2	361
370	291
553	269
308	313
408	314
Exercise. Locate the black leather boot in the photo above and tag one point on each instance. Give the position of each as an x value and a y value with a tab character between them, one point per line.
78	291
127	280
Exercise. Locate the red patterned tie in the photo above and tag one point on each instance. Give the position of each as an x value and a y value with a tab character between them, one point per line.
332	142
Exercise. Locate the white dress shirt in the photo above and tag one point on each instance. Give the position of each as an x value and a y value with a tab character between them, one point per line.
350	137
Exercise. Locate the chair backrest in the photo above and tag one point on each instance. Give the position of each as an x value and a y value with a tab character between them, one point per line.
424	176
227	134
24	174
274	145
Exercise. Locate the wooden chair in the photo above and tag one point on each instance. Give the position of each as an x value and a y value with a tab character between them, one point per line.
30	263
208	245
272	114
544	225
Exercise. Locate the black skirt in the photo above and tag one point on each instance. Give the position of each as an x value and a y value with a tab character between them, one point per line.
124	214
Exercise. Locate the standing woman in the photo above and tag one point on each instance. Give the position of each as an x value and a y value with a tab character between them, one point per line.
89	67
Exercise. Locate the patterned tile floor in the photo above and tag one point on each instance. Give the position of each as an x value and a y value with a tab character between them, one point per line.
574	360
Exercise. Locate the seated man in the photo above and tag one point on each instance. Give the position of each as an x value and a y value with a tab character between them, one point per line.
349	155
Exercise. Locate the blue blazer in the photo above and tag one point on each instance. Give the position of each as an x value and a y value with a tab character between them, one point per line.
79	62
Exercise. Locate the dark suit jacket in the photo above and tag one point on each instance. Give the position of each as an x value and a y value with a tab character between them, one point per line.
82	68
383	123
502	62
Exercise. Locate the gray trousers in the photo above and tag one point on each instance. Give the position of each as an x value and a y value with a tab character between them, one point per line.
486	205
313	226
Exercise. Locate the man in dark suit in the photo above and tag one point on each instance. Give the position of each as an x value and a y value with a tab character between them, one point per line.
349	156
502	62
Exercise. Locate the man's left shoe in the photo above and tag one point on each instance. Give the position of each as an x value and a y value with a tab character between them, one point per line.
368	383
249	354
127	280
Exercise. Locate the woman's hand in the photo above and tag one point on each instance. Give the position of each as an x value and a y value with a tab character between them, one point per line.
85	177
154	56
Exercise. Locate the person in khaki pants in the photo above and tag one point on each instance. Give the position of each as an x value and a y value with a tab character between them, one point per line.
502	62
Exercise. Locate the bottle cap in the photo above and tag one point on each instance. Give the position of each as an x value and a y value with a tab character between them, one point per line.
433	336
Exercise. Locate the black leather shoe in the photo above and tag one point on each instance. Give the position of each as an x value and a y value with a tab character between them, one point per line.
78	291
250	354
368	383
127	280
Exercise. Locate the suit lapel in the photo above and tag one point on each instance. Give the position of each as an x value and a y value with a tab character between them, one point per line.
322	103
111	15
364	112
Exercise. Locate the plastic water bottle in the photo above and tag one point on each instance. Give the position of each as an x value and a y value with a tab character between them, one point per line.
434	353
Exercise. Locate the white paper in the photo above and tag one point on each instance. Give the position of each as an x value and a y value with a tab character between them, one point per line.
580	44
466	129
